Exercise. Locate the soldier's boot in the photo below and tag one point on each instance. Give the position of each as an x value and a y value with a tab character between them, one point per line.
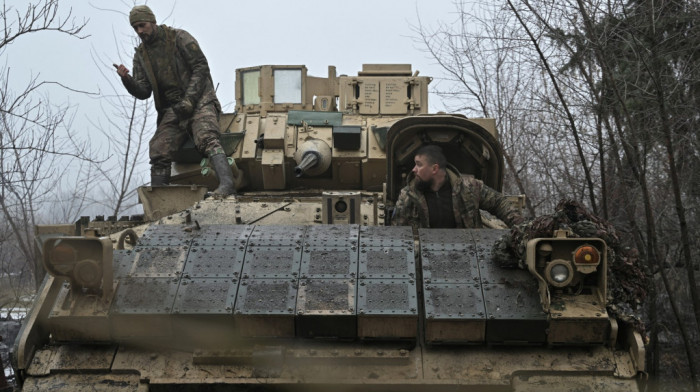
219	163
160	176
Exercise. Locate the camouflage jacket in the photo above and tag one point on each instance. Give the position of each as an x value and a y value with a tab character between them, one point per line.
469	195
173	55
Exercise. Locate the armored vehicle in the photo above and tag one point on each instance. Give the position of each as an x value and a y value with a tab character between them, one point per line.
300	282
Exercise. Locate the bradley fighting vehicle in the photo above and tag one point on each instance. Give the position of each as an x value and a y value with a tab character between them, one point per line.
299	281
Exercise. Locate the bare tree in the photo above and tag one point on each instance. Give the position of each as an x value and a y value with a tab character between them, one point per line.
34	134
125	122
622	77
482	78
15	278
36	17
35	150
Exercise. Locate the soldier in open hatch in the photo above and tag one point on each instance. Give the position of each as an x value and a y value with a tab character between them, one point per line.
438	197
170	63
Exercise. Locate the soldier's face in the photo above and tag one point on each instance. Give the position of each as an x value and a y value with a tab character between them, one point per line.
424	170
144	30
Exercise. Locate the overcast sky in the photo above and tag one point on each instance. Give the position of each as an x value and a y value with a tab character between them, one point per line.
234	34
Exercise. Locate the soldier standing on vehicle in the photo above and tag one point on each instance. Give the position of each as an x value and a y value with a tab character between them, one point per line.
170	63
438	197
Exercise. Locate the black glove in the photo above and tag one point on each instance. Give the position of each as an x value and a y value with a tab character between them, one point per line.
183	109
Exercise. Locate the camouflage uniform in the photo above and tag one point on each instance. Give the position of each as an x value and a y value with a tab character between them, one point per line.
178	70
469	195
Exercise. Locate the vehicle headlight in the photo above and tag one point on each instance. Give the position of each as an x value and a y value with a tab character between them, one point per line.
85	261
559	273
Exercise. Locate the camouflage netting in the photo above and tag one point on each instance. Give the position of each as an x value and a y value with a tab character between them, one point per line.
627	279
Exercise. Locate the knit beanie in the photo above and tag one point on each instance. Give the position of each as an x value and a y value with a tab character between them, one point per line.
141	13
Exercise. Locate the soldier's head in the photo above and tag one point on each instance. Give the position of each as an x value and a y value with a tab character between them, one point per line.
143	21
430	164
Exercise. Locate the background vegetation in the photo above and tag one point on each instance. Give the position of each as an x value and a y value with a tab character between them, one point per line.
597	101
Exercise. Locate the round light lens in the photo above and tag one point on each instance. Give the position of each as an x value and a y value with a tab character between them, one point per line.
586	254
59	257
88	273
559	273
63	253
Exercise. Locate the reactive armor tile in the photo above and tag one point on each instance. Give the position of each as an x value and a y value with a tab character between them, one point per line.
326	296
206	296
277	236
214	262
387	297
514	313
512	301
275	262
145	295
265	307
266	296
454	301
386	236
223	235
486	236
385	263
332	235
444	239
489	270
454	313
166	235
326	309
159	261
329	262
387	309
141	309
491	273
450	266
123	262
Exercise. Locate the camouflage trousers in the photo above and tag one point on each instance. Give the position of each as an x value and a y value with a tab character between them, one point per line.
171	133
